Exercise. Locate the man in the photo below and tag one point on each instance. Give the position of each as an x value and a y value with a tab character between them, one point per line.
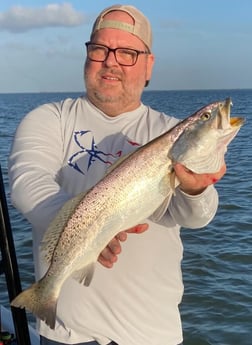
64	148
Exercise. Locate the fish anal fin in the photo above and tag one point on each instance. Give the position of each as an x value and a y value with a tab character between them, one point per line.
85	274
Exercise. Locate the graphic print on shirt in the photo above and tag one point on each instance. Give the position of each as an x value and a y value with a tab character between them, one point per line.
92	151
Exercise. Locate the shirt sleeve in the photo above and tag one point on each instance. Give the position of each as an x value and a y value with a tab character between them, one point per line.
192	211
35	162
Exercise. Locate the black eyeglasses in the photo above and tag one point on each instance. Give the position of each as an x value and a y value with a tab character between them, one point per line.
123	56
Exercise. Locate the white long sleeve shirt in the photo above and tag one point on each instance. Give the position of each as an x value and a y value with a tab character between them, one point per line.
64	148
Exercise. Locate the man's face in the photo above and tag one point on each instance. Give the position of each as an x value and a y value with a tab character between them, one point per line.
113	86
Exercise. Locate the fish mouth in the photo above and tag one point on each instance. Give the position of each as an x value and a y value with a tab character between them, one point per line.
223	118
236	121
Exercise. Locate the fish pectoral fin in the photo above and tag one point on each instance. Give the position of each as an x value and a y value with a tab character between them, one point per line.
174	182
160	211
85	274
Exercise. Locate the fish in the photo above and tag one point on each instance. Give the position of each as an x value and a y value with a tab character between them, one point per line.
138	186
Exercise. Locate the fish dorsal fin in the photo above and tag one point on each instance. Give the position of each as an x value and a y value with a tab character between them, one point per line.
56	226
85	274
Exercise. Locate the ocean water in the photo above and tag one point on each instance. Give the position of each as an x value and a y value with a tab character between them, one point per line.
217	266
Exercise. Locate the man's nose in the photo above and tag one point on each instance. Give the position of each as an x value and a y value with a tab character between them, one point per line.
111	59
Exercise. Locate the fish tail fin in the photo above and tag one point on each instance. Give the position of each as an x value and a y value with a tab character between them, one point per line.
42	305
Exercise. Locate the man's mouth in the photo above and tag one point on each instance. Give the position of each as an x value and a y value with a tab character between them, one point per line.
110	78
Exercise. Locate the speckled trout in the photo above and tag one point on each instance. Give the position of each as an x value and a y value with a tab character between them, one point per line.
137	187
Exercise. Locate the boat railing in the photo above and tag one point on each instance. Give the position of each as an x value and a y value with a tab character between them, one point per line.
9	268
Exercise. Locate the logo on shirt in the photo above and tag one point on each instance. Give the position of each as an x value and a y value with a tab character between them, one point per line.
92	152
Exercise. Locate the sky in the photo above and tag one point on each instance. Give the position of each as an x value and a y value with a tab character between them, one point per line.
198	44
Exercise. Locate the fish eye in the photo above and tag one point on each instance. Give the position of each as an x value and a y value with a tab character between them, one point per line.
205	116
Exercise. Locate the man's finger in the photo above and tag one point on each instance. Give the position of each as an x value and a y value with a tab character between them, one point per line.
138	229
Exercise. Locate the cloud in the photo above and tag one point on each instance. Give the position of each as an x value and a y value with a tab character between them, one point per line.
20	19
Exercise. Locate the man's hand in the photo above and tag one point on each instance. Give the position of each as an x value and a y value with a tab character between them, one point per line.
109	254
194	184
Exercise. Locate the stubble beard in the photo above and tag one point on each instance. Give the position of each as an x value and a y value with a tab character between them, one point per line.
122	98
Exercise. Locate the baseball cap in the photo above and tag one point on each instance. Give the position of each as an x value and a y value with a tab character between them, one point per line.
141	27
